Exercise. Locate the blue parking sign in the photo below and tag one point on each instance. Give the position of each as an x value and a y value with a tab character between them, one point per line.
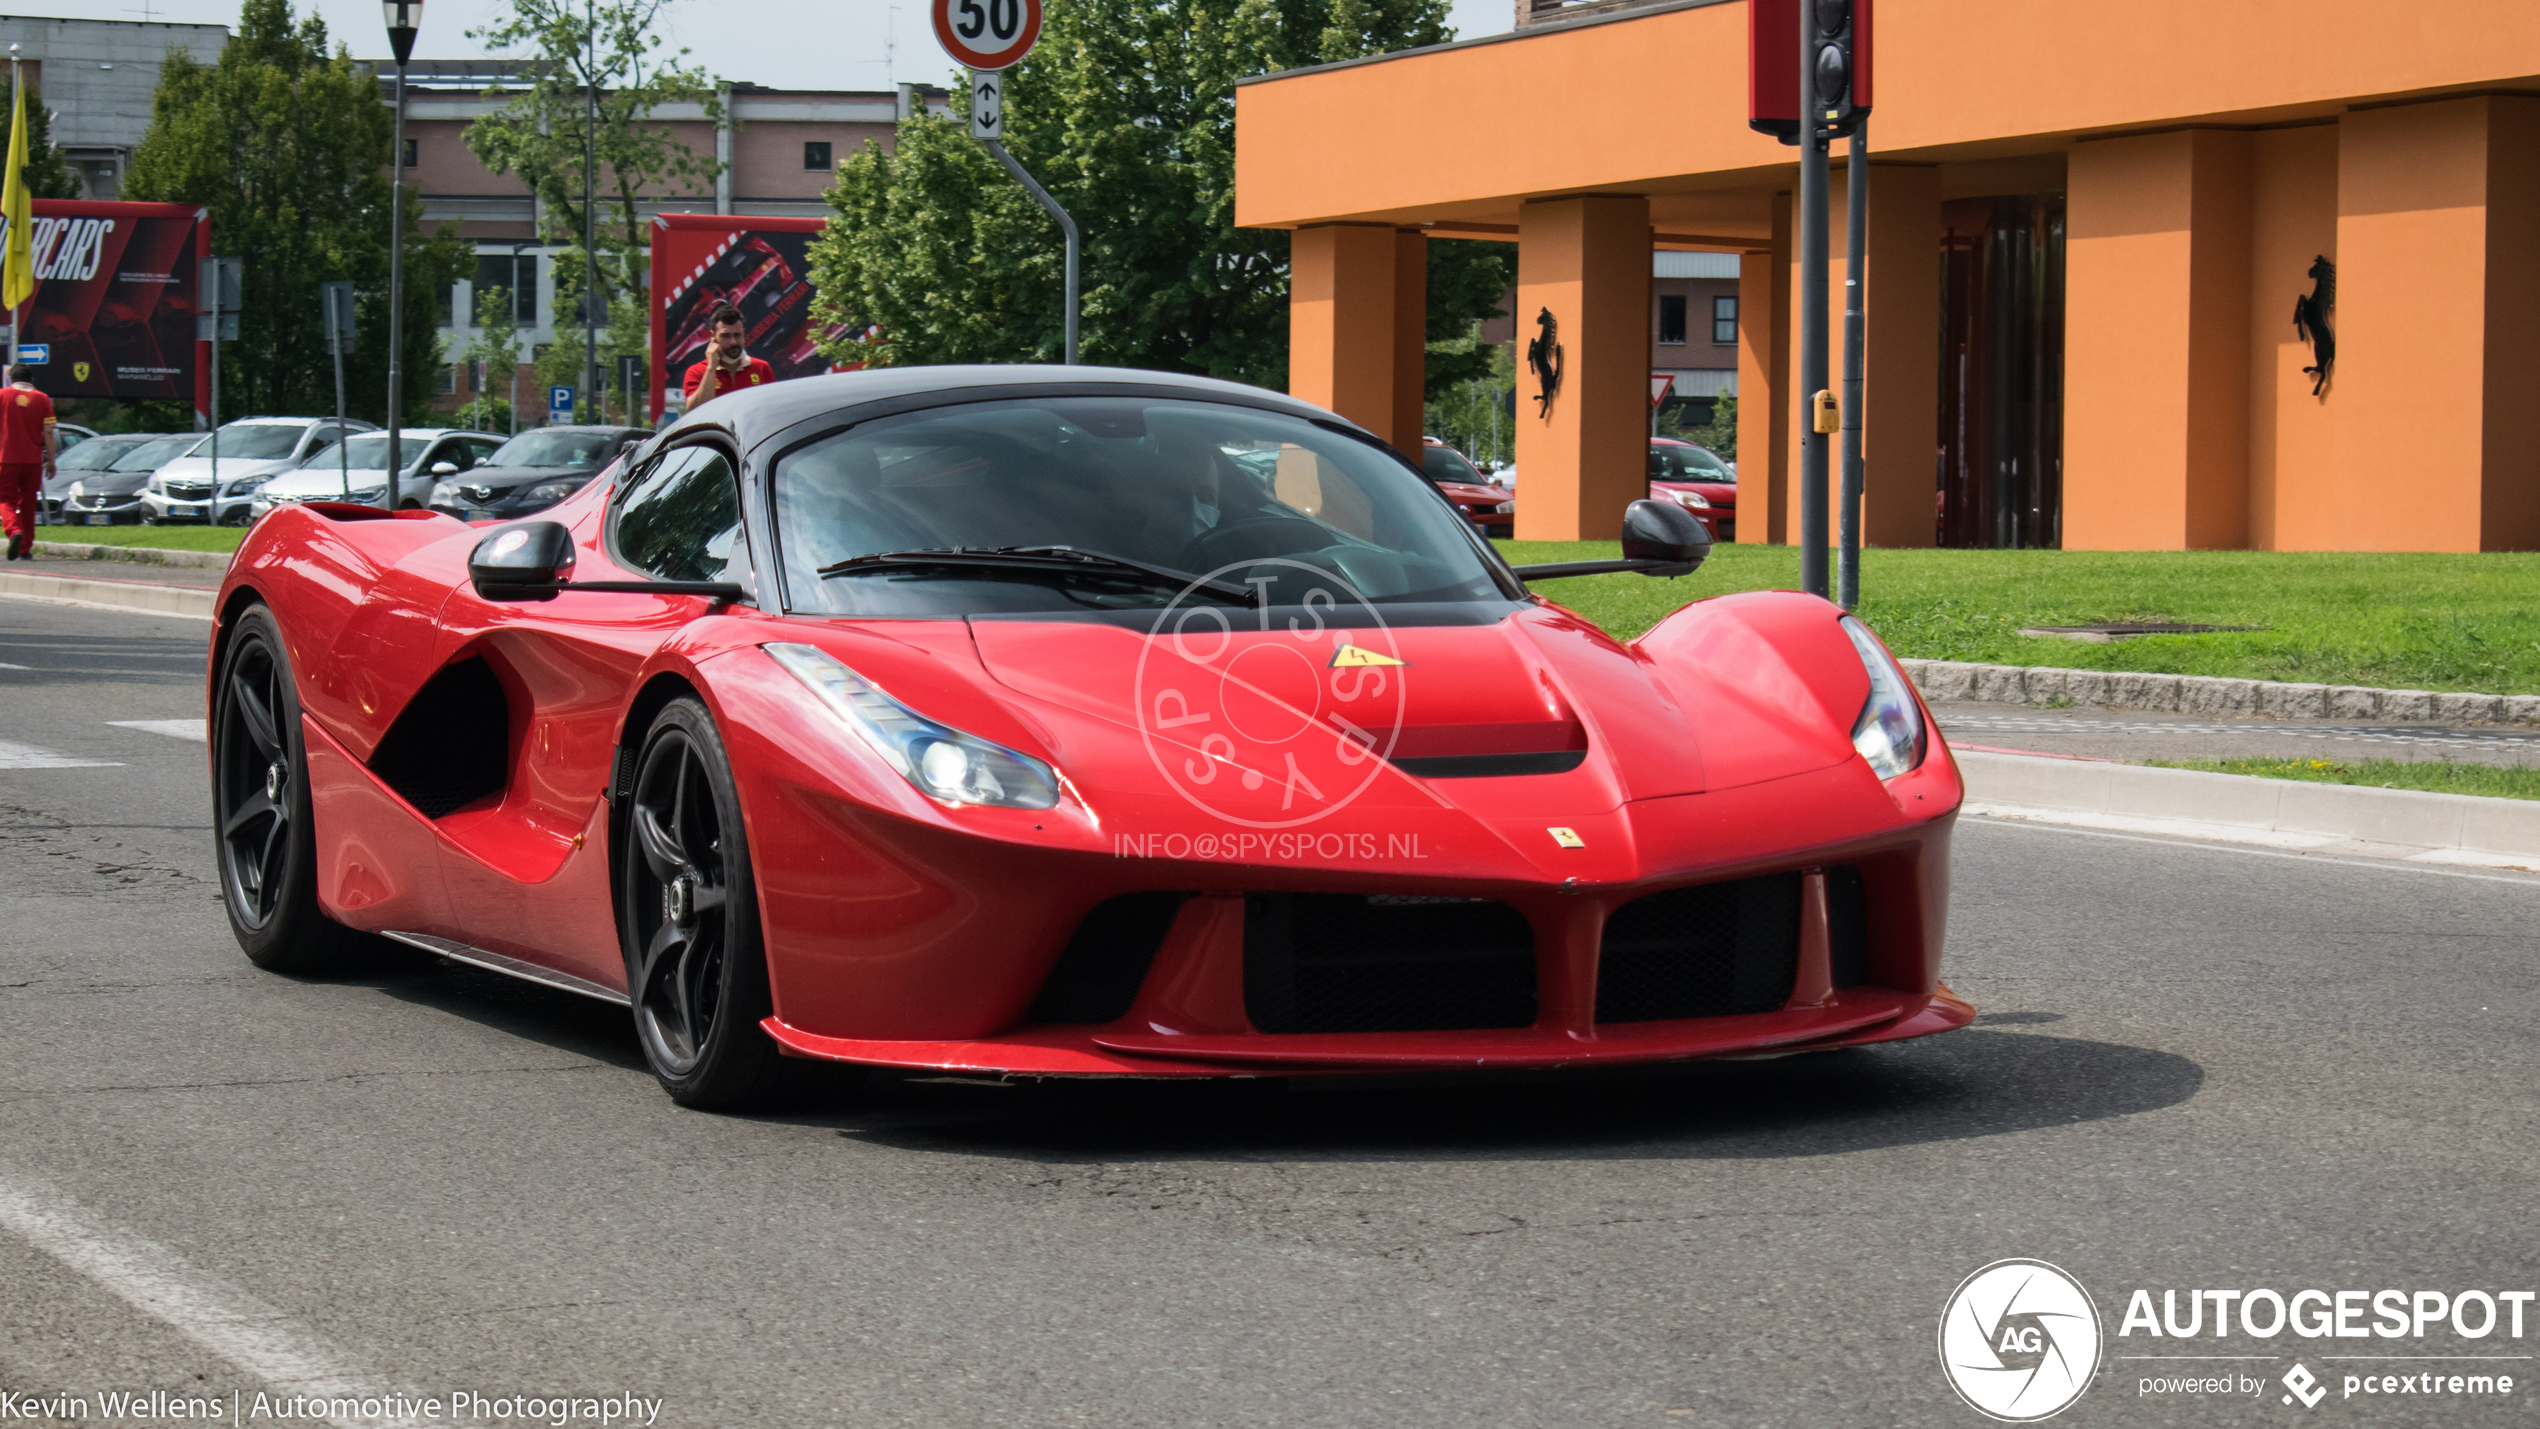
559	404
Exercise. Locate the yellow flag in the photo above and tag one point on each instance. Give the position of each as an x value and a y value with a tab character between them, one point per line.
17	261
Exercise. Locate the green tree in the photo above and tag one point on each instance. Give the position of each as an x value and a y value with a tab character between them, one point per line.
288	148
1477	415
48	174
497	345
539	134
1125	111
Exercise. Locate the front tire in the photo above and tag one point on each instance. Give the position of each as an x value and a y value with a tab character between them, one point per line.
264	843
696	967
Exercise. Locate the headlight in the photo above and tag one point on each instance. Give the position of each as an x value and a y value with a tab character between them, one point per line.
1694	499
1505	508
1889	732
248	487
78	491
551	492
443	494
943	763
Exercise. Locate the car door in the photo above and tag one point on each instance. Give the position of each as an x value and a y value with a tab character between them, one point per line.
527	870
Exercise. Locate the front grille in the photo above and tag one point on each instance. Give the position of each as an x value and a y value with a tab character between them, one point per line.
1712	950
1352	962
1847	927
189	490
1103	965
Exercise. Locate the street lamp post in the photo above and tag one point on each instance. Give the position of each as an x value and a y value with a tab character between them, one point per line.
403	16
590	207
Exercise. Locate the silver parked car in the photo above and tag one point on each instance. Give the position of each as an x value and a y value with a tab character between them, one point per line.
251	450
360	465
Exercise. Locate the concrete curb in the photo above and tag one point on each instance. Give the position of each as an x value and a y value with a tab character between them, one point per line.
140	555
2408	823
2208	695
190	602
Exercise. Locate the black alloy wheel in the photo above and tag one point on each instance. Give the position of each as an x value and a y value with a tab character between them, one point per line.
264	843
688	915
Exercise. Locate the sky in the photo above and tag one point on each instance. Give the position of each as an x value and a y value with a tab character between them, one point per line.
845	44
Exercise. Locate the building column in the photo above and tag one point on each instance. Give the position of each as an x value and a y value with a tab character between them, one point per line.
2156	345
1900	370
1763	386
1357	325
1584	454
2438	216
2292	438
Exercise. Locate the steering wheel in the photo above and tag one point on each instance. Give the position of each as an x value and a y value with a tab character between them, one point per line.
1254	539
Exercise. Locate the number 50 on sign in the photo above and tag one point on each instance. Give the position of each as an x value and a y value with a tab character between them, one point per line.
987	34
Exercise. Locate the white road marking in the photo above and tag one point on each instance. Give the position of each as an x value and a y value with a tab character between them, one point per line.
173	728
2392	865
5	665
28	756
258	1339
2350	734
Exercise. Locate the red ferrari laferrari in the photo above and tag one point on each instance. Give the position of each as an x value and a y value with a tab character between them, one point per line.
1063	722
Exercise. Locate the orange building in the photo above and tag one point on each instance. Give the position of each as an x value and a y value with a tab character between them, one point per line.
2089	226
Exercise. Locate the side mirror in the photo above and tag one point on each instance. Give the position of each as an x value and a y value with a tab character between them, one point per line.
445	468
1667	534
523	562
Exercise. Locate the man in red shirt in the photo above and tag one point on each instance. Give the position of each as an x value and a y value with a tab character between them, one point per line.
728	365
27	441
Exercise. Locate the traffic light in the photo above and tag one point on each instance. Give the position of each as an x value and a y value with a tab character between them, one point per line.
1842	68
1772	68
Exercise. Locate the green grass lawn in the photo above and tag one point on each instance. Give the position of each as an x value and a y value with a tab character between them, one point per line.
2405	621
2490	780
174	538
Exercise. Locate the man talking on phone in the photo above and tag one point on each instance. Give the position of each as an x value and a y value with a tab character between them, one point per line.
728	365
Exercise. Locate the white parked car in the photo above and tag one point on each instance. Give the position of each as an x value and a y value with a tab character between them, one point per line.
427	453
188	490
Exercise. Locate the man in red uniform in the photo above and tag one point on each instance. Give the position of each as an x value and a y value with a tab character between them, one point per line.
27	440
728	365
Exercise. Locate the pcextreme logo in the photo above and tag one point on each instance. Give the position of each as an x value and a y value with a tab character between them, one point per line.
2019	1341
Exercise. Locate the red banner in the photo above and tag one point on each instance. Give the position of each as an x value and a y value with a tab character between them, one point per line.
760	265
114	299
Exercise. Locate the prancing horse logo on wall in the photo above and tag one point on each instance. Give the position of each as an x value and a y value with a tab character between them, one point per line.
1543	357
2310	319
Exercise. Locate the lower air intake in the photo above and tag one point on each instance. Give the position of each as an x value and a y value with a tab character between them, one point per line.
1349	962
1713	950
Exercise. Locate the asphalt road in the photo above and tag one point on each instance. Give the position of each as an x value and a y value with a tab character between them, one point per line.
2198	1067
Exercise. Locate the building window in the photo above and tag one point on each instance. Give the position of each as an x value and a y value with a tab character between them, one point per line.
816	155
1671	320
447	384
408	161
1724	321
517	273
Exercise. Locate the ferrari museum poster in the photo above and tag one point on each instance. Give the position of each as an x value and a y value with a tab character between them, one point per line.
113	311
760	265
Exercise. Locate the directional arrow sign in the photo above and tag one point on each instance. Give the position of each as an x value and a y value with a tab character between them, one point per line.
987	105
987	34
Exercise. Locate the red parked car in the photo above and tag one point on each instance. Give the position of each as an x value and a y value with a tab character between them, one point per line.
1693	478
1492	508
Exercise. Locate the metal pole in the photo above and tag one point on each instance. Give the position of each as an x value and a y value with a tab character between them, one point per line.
17	315
1812	314
1066	225
590	208
1856	227
396	302
343	434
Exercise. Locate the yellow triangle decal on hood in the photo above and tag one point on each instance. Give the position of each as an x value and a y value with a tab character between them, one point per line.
1350	657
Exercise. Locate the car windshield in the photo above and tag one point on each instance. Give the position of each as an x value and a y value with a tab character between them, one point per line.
257	441
369	452
1264	502
559	449
150	456
95	454
1447	464
1687	464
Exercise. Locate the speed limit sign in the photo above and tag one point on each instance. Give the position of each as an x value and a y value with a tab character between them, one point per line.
987	34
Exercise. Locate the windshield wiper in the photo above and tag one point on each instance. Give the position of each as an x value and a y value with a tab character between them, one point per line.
1057	559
